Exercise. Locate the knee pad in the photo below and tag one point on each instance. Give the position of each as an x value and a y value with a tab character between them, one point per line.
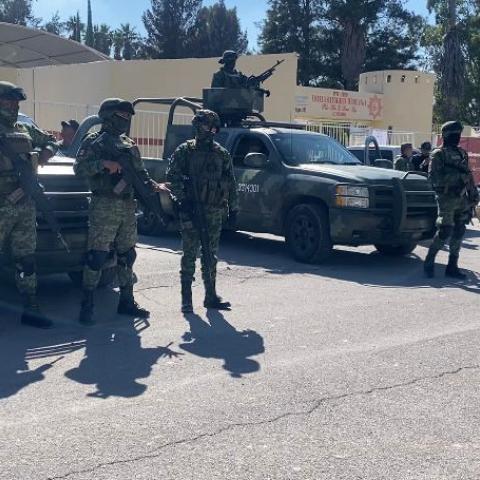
128	258
459	231
25	266
96	259
444	232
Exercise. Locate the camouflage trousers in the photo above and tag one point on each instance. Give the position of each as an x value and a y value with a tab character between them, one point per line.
453	214
191	243
18	237
113	227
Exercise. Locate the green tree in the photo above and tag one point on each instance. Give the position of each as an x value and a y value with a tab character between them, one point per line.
168	24
102	38
17	11
126	43
216	29
89	36
75	28
54	25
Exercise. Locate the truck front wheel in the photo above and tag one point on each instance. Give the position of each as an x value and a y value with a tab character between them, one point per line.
396	250
307	233
148	223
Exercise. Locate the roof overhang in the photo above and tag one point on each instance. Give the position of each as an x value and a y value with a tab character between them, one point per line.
23	47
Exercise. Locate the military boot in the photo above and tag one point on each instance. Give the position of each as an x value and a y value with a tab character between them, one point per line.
213	301
429	264
32	315
187	304
128	305
86	309
452	269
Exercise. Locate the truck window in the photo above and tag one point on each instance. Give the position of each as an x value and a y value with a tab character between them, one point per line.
248	144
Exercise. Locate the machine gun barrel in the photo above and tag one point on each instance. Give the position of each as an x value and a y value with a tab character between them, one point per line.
266	74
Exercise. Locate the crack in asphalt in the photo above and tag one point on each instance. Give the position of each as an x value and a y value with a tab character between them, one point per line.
305	413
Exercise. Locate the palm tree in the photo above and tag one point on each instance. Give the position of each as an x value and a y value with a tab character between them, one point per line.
125	42
75	27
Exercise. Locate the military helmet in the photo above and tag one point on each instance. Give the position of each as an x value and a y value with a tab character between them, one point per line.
112	105
9	91
452	127
228	55
207	118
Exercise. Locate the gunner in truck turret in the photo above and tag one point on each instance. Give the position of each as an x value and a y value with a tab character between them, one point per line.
228	76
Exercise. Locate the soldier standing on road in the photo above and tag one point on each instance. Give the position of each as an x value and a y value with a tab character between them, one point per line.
227	76
453	181
404	161
113	223
17	211
205	162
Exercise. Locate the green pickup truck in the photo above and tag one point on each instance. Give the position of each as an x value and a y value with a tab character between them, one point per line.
308	188
305	187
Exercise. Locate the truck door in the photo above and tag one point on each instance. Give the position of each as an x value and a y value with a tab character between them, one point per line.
259	189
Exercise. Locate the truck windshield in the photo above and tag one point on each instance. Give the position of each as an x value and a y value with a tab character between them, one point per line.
300	148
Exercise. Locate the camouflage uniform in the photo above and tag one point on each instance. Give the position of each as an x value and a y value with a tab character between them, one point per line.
18	235
453	181
210	166
404	164
227	76
113	225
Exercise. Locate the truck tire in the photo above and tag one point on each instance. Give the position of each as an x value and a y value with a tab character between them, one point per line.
148	223
109	275
396	250
307	233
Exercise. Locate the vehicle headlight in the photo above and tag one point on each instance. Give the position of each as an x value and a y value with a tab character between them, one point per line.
351	196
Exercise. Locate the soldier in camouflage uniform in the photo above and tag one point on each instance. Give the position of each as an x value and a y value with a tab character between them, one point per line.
404	161
113	223
453	181
227	76
17	211
209	165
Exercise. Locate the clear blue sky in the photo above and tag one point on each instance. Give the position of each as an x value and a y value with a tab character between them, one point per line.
115	12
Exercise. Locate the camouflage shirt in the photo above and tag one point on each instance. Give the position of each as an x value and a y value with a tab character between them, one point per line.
39	141
89	164
404	164
449	171
224	79
213	171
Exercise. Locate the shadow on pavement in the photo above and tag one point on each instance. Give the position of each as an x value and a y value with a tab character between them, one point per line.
219	339
115	360
370	269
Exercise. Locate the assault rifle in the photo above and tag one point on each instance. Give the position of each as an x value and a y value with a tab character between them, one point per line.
29	185
129	176
256	80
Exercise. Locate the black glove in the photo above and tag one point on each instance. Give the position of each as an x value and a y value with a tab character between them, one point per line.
232	219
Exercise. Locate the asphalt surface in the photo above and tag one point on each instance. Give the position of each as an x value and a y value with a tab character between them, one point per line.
357	369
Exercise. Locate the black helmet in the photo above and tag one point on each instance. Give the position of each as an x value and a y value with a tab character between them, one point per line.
9	91
452	127
206	117
112	105
228	55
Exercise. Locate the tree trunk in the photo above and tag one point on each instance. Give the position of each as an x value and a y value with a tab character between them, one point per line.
353	53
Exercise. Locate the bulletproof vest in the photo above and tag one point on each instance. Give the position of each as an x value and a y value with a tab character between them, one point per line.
206	169
21	143
456	166
234	80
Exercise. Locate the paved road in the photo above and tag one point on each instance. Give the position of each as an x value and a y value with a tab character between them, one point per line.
357	369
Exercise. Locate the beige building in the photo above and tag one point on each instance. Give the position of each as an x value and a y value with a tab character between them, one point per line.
399	100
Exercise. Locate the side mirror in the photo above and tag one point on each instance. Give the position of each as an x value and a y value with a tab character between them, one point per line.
383	163
255	160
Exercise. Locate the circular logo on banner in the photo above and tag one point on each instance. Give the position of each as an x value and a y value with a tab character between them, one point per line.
375	107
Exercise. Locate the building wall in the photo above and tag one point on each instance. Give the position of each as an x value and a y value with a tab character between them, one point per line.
88	84
407	100
8	74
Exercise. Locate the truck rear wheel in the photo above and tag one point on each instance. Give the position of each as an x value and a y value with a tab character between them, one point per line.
148	223
307	233
397	250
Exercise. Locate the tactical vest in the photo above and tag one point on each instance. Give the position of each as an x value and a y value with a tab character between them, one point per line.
21	143
456	170
206	169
